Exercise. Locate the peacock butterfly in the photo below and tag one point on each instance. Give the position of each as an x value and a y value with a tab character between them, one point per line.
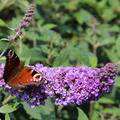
16	74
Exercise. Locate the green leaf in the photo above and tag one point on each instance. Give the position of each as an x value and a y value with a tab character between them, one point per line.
83	16
90	2
7	116
81	115
2	45
45	112
4	39
108	14
34	54
71	5
6	4
112	55
96	115
50	35
114	4
106	40
117	81
7	108
73	55
49	26
62	58
93	61
32	35
118	44
15	22
101	4
112	110
2	23
105	100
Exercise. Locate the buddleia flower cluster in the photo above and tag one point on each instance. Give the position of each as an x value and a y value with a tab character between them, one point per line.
68	85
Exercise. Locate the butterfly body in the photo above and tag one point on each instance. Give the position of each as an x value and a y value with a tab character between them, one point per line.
17	75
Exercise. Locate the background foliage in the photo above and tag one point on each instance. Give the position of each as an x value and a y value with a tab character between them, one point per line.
65	33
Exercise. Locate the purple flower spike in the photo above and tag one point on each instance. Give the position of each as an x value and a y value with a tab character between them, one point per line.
76	85
68	85
107	76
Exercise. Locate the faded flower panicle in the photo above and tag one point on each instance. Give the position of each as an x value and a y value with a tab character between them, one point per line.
27	18
25	22
11	38
68	85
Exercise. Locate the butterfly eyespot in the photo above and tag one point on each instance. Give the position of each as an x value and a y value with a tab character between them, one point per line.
11	53
34	73
36	76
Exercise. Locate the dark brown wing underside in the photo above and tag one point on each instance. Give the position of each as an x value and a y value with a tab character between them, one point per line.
11	63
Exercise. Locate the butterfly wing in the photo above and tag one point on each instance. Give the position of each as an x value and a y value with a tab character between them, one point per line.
18	76
12	62
25	77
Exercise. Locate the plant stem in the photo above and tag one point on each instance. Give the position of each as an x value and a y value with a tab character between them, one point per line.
5	101
49	52
34	43
59	111
91	109
94	50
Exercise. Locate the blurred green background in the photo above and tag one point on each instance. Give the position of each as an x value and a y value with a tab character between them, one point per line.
65	33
